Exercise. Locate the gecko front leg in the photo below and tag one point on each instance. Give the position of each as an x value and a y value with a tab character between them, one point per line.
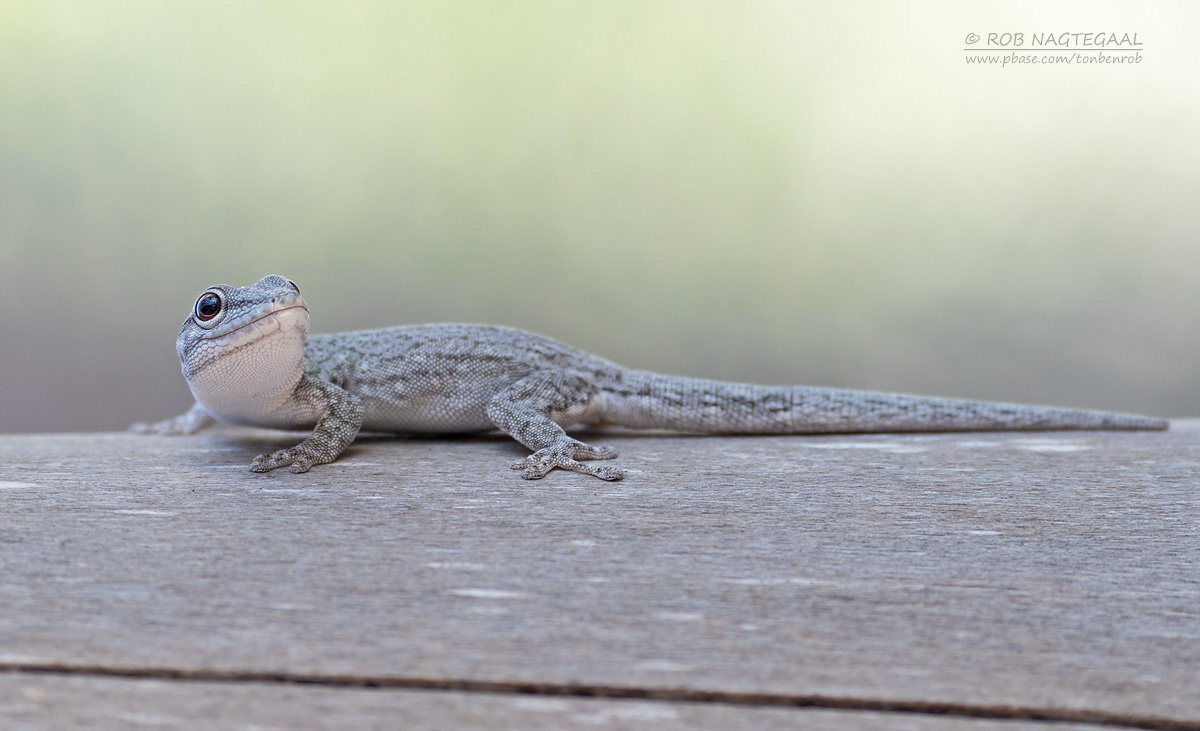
341	415
195	419
527	411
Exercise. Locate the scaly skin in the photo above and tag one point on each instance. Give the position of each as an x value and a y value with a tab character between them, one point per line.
247	357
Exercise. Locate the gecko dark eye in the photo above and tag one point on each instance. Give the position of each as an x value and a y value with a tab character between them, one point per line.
208	306
294	286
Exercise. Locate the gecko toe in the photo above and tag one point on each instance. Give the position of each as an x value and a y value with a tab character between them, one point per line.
611	474
268	462
168	428
533	467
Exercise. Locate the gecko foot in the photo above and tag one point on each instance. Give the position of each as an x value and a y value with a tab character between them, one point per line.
297	457
170	427
565	455
190	423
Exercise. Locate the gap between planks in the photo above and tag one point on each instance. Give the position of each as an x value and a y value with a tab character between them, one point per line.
617	692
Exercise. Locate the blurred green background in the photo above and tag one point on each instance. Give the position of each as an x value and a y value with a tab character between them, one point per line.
783	192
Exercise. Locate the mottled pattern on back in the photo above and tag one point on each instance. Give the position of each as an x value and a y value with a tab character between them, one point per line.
438	378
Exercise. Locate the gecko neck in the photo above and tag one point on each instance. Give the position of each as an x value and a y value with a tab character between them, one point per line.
252	402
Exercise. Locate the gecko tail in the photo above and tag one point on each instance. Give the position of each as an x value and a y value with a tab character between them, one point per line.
652	401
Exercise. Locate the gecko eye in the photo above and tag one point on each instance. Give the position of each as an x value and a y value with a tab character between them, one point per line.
208	306
294	286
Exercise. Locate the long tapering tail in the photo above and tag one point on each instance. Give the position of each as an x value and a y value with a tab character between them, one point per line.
652	401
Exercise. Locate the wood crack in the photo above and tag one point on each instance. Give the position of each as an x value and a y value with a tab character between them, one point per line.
618	692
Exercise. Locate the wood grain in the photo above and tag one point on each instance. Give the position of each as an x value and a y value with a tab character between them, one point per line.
1048	571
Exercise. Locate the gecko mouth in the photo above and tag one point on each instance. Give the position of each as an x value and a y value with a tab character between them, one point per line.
260	318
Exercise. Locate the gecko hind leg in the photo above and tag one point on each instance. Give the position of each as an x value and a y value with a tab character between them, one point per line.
524	409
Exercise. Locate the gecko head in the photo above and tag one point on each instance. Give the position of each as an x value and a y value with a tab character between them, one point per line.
244	342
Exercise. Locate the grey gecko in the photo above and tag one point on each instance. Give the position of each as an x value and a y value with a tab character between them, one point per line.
248	359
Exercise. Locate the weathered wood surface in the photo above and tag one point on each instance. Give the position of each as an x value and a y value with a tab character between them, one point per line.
1053	571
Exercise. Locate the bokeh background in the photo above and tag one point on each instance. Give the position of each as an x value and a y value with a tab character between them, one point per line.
777	191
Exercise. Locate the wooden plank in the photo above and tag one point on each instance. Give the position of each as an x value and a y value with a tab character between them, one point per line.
1053	570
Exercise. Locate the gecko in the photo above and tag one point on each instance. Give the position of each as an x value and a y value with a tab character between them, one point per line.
248	359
